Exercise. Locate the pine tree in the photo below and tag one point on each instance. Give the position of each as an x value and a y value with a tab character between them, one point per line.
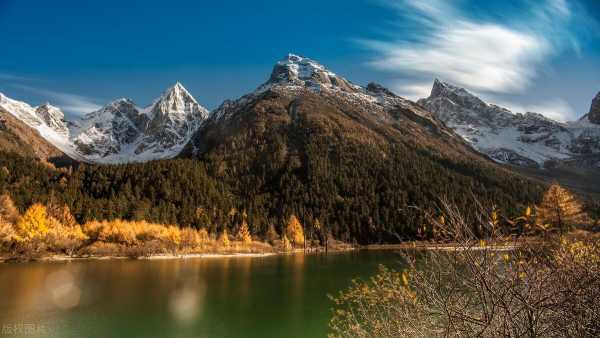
244	233
317	229
560	209
272	235
294	231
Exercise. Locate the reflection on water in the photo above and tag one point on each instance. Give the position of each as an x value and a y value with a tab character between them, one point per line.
203	297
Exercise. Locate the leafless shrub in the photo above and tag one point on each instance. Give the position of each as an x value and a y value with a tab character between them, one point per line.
479	286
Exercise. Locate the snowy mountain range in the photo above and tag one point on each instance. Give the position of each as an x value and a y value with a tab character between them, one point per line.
123	132
529	139
120	131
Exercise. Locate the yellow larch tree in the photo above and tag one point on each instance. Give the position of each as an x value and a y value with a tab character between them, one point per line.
560	209
244	233
285	243
33	223
224	239
294	231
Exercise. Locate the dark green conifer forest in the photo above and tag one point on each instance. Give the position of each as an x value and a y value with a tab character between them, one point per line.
357	193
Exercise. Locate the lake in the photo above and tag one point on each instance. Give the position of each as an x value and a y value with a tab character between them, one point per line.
276	296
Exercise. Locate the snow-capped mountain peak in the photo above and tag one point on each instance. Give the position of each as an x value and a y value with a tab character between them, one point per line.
529	139
53	117
120	131
174	117
300	71
178	101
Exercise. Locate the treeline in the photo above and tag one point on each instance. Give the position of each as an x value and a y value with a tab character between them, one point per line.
354	192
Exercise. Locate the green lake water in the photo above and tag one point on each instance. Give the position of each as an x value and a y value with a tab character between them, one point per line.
277	296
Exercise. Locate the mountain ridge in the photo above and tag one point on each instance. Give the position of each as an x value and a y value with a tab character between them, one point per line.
120	131
529	139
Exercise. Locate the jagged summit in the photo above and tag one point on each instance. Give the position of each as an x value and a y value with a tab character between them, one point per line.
176	100
529	139
458	95
120	131
440	87
53	117
378	89
304	72
594	114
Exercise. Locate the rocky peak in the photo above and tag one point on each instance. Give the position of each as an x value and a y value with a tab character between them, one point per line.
52	116
455	94
119	109
174	117
300	71
594	114
176	100
377	89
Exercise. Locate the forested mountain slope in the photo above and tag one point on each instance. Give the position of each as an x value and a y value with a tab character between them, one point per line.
358	159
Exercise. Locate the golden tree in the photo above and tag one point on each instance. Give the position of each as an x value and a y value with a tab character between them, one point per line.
62	214
244	233
64	238
285	243
34	222
294	231
224	239
559	209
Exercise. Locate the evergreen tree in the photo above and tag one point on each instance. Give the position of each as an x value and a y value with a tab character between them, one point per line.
272	235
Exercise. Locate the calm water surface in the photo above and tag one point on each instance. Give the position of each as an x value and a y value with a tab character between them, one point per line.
281	296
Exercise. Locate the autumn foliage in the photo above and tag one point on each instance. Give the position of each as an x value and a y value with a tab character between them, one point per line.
294	231
560	210
53	229
33	223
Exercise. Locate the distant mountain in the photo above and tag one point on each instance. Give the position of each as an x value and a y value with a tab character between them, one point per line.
24	130
120	131
527	140
356	158
594	115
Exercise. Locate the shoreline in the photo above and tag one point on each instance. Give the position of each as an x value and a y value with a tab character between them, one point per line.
507	245
167	256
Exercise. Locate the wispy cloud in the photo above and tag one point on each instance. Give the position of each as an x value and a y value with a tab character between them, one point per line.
440	39
69	103
413	91
12	77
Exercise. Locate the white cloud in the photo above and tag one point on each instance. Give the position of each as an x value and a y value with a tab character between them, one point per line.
413	91
492	54
482	56
69	103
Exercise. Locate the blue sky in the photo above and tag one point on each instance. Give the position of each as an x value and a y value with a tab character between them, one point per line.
541	55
